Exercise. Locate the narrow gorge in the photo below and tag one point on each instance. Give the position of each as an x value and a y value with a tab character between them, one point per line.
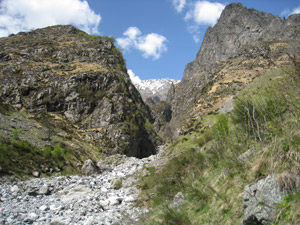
79	144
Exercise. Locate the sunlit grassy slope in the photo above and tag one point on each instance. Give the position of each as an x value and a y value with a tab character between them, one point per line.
220	154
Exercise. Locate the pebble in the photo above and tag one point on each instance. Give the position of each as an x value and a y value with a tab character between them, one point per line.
76	199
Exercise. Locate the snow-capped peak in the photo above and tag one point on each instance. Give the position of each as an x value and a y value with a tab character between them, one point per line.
152	88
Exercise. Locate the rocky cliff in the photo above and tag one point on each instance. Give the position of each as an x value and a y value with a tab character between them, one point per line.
237	28
80	79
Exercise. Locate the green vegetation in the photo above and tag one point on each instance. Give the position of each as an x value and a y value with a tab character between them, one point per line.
205	163
88	36
288	211
120	61
54	144
20	158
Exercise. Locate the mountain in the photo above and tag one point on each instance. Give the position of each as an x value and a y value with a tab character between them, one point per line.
156	89
59	85
234	156
237	28
231	126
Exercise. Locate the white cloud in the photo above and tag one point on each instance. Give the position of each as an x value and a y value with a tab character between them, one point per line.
285	12
201	14
152	45
134	78
288	12
205	12
24	15
296	10
132	32
179	5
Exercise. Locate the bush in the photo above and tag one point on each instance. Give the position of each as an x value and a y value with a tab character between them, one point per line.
58	152
221	129
148	125
47	151
254	116
4	149
15	135
23	145
174	217
86	35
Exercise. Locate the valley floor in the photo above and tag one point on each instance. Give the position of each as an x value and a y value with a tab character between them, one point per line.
107	198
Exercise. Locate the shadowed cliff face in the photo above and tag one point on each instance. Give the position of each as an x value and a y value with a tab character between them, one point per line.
236	28
82	78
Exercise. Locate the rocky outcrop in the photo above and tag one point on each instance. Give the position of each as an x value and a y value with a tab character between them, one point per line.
64	71
162	113
237	28
89	168
262	198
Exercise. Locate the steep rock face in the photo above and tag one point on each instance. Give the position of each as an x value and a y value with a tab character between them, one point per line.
65	71
236	28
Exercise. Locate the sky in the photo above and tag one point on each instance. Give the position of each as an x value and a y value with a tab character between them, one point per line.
158	38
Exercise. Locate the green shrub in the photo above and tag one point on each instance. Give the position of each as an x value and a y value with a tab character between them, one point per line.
148	125
110	38
58	152
254	116
88	36
47	151
15	134
4	149
172	216
288	211
23	145
221	129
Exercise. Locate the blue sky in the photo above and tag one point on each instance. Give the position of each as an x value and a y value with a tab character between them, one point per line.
158	37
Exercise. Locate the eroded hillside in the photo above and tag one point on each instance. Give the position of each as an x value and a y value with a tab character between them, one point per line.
62	86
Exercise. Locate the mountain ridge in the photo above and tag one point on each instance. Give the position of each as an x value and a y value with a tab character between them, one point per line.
156	89
236	27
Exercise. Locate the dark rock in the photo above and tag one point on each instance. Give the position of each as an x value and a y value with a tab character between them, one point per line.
4	57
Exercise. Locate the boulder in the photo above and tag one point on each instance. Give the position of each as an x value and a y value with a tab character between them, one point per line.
35	174
261	199
44	190
89	168
178	200
57	221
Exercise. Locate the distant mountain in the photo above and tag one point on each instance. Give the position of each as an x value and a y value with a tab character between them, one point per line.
157	89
